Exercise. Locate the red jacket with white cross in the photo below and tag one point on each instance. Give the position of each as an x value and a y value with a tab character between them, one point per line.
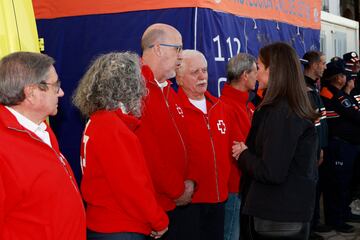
209	146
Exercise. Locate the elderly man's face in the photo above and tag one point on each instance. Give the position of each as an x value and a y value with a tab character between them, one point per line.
46	101
194	80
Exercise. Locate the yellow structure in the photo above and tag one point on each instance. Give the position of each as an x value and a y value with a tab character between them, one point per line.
17	27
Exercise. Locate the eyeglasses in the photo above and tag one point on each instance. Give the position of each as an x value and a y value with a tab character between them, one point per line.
178	47
56	84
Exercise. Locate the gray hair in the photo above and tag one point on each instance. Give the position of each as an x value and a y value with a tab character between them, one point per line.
18	70
188	54
112	80
239	64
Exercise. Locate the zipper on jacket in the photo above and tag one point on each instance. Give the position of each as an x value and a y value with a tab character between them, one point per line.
173	120
206	118
60	158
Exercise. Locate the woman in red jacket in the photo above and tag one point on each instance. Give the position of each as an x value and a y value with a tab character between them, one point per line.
116	184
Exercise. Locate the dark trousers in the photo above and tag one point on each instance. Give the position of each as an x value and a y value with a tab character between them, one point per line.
337	171
319	189
199	221
91	235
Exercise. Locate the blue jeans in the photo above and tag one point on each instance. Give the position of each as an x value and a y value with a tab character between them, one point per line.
232	217
91	235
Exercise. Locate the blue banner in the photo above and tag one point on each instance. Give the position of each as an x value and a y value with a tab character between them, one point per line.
75	41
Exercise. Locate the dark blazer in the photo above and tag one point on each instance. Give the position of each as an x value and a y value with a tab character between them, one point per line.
281	164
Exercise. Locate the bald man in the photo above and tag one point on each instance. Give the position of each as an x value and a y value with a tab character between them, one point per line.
162	125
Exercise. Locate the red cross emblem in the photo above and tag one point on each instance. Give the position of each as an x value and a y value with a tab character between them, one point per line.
221	126
179	110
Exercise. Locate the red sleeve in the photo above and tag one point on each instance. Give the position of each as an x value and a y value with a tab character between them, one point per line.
2	207
124	166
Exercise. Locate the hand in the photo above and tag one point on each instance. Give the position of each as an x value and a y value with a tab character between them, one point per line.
158	234
185	198
238	148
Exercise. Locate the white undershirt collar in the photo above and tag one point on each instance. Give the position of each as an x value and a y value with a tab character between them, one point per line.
161	85
38	130
200	104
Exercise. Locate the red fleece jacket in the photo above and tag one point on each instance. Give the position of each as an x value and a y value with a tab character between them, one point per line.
161	135
209	148
241	110
39	198
116	184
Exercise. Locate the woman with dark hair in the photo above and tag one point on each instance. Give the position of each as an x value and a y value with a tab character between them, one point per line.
116	184
280	152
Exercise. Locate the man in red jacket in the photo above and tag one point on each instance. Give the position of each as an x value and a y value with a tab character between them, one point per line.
161	131
209	145
241	79
39	198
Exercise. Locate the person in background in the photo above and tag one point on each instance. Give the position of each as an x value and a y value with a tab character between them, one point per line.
39	197
116	183
343	117
241	79
352	61
313	71
209	147
162	130
280	154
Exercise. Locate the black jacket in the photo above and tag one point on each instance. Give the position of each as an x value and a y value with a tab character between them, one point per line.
318	105
343	114
281	161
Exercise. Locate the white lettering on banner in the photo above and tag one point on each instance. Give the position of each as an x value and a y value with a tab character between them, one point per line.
217	40
221	126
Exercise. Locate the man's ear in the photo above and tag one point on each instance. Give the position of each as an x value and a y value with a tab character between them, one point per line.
157	50
29	92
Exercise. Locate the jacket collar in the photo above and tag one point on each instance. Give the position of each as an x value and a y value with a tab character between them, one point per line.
309	81
235	94
130	121
149	76
187	104
8	120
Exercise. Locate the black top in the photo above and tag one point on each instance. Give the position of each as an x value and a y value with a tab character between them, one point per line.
281	161
318	105
343	114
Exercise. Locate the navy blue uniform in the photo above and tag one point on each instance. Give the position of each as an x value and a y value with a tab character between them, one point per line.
343	119
322	132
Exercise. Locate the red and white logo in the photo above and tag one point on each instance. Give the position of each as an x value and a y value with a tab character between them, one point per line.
221	126
179	110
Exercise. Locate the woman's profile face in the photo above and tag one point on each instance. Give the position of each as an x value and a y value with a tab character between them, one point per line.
262	75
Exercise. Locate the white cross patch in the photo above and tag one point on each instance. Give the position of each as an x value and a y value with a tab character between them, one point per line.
221	126
180	111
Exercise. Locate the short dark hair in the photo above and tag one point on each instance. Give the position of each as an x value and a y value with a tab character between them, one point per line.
312	57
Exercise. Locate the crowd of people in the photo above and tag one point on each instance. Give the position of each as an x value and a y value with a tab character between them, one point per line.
185	165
